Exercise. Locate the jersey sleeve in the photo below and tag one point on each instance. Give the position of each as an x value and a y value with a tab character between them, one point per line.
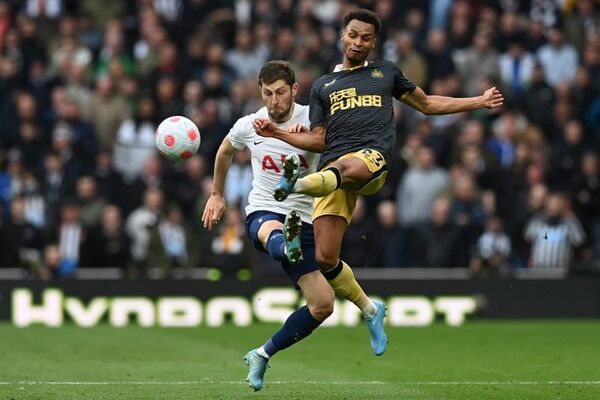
402	86
317	108
239	132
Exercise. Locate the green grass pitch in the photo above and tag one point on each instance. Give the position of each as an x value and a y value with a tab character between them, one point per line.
481	360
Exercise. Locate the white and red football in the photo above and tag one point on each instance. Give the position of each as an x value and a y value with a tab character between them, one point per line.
177	138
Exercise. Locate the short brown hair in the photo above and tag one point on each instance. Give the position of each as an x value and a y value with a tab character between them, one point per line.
275	70
364	15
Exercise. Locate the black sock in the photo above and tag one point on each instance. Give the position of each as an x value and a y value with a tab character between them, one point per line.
332	273
338	175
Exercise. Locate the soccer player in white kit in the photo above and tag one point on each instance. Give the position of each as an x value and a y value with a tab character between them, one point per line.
266	217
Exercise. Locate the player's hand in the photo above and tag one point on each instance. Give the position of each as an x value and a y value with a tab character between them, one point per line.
264	127
298	128
213	211
492	98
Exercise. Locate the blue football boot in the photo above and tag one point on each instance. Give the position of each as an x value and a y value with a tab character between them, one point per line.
291	171
257	365
292	227
375	323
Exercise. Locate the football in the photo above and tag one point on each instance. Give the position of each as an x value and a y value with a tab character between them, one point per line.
177	138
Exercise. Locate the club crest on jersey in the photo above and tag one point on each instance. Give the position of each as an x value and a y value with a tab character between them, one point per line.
376	74
268	163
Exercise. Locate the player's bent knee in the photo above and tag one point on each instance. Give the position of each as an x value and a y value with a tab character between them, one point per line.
265	230
321	309
326	261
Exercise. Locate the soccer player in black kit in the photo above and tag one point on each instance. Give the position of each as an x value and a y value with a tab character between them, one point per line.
352	125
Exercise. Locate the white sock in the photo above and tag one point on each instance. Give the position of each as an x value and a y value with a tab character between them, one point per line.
370	309
261	351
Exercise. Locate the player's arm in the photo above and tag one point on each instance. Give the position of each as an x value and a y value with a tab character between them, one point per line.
298	135
216	203
434	105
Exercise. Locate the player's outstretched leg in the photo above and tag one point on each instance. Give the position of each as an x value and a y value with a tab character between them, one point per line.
342	280
292	227
291	171
257	366
300	324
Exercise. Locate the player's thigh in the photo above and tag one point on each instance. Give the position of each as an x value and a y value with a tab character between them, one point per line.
265	230
318	294
363	171
355	173
329	233
368	163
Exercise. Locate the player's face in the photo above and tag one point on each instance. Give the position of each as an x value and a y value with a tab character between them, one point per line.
358	40
279	98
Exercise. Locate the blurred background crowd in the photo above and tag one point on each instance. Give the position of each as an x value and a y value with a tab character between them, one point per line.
83	85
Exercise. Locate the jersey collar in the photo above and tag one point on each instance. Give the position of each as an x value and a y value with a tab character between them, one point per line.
338	67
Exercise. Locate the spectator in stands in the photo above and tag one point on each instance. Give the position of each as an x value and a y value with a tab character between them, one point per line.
245	58
516	68
477	62
24	240
361	238
171	246
558	58
566	156
466	211
168	102
239	179
386	242
583	21
135	140
508	30
420	185
152	177
35	205
11	179
108	181
113	53
51	263
138	227
31	142
410	61
554	234
473	161
492	251
437	242
107	246
71	162
585	188
506	130
106	111
229	246
439	61
91	205
69	236
193	94
187	185
538	99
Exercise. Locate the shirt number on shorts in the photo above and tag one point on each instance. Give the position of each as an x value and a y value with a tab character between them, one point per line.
376	158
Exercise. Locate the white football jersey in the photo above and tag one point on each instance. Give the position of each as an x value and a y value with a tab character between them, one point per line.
268	155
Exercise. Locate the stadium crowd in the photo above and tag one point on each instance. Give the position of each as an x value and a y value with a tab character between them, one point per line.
83	85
